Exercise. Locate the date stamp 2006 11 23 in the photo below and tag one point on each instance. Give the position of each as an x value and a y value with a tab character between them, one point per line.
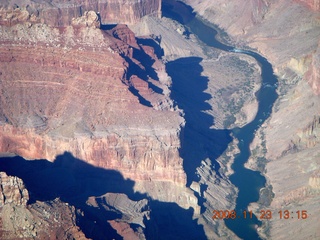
263	214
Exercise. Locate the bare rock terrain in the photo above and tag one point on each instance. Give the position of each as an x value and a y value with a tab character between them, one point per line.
286	147
232	79
84	98
105	97
39	220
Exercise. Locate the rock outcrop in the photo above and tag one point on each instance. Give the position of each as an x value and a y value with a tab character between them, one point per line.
314	180
19	220
12	191
61	13
132	212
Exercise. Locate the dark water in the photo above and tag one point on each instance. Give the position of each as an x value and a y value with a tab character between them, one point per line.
247	181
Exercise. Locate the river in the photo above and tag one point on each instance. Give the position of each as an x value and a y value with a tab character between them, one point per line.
247	181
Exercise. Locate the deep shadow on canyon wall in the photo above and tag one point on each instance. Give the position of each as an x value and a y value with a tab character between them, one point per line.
140	57
200	140
74	181
178	11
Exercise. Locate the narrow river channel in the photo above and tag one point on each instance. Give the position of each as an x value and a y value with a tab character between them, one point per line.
247	181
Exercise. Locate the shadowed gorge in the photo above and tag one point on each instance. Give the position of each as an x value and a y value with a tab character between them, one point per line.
66	177
247	181
74	182
279	141
199	140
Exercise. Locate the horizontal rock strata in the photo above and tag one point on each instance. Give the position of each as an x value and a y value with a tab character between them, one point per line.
61	13
83	90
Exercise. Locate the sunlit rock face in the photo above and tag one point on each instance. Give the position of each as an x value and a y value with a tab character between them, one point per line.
59	13
12	191
89	92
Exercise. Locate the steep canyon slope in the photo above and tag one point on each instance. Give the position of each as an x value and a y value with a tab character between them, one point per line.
69	88
83	96
286	147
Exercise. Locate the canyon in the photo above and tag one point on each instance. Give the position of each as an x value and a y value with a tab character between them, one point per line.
91	92
98	95
286	147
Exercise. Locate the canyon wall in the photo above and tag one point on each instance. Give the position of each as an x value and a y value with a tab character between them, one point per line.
60	13
103	97
286	147
77	90
100	99
22	218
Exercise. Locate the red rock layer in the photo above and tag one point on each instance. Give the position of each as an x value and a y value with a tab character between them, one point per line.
60	13
124	230
68	89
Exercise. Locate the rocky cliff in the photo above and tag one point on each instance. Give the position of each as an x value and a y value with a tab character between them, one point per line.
20	220
12	191
60	13
78	88
89	92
